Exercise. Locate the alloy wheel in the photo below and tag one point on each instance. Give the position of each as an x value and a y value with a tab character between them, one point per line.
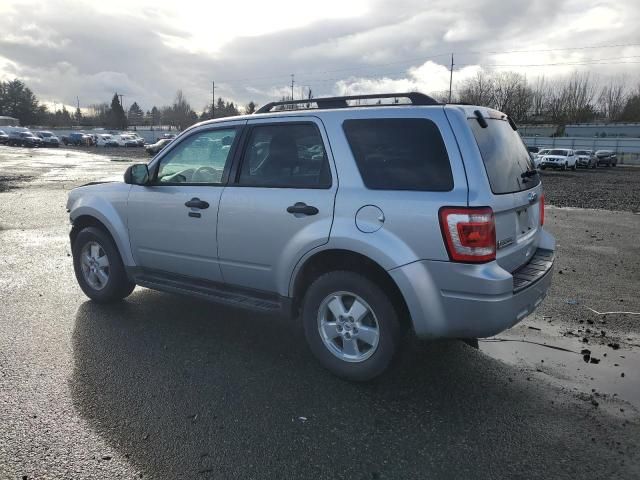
95	265
348	327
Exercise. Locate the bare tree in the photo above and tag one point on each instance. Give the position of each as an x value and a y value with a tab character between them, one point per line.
572	99
504	91
612	99
477	90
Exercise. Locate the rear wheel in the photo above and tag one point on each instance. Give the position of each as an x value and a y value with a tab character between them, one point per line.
98	266
351	325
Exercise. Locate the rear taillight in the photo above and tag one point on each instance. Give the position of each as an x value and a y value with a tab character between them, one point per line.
469	234
542	209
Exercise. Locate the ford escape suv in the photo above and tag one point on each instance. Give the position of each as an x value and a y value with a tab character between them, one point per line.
361	221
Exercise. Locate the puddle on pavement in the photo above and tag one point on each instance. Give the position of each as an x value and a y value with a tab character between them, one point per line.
562	359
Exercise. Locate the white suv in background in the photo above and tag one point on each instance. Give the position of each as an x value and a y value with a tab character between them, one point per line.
562	158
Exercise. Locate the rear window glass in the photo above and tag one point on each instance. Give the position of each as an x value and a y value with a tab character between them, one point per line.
504	155
400	154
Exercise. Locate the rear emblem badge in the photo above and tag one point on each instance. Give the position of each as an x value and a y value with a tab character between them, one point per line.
532	197
505	243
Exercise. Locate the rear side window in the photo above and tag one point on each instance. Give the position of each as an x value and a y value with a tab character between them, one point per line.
505	157
286	155
400	154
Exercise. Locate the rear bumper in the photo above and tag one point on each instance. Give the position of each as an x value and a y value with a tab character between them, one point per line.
454	300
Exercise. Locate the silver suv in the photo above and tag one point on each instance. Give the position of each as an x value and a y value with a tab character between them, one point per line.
363	222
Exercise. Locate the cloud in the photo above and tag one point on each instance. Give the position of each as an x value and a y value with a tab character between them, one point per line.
66	48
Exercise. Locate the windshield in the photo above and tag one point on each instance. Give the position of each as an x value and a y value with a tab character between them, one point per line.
506	159
583	152
561	153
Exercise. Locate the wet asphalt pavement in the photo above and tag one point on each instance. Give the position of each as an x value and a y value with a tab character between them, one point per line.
161	386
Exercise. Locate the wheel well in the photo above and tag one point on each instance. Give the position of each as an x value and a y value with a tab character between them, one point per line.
332	260
85	221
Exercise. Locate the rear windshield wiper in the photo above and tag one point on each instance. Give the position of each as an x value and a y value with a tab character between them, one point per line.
528	173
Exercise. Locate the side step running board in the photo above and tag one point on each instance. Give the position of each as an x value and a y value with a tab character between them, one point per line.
218	293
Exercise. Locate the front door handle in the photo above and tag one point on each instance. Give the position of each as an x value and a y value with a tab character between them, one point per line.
303	208
196	203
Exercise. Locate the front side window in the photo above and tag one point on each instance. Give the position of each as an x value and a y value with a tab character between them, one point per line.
400	154
287	155
199	158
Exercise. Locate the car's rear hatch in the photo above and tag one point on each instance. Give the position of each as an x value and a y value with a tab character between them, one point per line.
515	189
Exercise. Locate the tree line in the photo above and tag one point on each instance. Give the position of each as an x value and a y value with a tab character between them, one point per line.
560	101
18	101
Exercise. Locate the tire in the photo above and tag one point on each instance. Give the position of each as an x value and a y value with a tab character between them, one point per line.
367	361
117	285
543	167
575	167
564	167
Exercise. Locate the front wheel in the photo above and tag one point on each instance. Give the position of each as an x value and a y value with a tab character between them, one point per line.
575	167
99	268
564	166
351	325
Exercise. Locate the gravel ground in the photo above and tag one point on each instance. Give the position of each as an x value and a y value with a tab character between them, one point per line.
605	188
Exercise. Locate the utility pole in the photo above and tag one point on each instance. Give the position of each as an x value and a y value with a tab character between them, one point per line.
121	103
78	111
213	99
292	82
450	78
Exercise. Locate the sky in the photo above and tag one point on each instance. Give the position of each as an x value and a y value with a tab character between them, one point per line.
146	50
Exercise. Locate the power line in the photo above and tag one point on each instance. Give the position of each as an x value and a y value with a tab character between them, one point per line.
437	55
594	61
400	72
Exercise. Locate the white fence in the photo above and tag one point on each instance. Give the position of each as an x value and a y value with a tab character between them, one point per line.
627	149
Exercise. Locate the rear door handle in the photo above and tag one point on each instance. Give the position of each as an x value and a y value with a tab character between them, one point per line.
303	208
196	203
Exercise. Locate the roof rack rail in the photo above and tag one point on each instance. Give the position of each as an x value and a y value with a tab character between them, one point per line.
416	98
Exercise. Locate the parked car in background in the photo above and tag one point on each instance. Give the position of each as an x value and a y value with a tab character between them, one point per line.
561	158
77	139
538	156
4	138
586	158
154	148
346	259
126	140
139	140
166	136
48	138
106	140
24	139
607	158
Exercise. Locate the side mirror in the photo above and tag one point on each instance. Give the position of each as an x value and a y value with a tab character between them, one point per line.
137	174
